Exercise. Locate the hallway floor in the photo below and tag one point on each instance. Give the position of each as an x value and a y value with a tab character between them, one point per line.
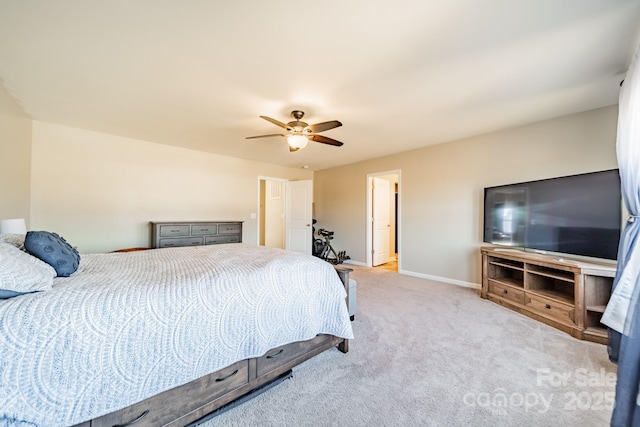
391	266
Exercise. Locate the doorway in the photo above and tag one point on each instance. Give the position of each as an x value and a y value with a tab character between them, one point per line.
272	213
285	214
383	224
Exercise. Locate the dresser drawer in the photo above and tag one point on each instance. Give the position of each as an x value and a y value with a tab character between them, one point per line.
216	240
506	292
277	357
160	409
203	229
229	228
174	230
558	311
185	241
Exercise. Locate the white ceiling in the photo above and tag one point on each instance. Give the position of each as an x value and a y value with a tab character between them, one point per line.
399	74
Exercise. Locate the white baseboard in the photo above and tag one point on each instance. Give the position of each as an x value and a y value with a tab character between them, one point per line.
442	279
425	276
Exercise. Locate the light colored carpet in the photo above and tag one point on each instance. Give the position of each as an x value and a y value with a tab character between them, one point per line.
434	354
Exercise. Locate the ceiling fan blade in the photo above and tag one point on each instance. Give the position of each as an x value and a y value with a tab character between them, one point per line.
325	140
265	136
275	122
321	127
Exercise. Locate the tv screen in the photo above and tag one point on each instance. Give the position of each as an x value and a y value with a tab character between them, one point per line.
578	214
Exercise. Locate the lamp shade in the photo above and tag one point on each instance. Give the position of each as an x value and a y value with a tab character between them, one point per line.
297	141
13	226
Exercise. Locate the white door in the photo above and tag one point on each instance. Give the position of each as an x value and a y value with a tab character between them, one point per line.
298	216
380	221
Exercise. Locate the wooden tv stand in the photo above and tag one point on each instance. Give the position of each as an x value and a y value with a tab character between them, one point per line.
566	294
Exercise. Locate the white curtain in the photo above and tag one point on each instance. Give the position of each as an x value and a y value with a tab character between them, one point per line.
622	315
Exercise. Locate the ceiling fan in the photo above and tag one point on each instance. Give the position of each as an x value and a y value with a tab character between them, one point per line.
300	133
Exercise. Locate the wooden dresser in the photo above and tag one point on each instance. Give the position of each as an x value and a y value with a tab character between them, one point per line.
568	295
194	233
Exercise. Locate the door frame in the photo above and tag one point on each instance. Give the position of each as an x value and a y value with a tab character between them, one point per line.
369	203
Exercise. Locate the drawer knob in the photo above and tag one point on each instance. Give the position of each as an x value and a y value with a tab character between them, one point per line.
547	306
227	377
276	354
505	291
141	416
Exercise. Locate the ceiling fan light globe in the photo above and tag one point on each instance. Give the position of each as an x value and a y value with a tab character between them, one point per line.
297	141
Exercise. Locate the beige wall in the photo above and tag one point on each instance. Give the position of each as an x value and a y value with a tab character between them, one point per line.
100	191
15	149
441	188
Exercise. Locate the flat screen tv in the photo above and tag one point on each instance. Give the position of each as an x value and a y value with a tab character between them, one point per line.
577	214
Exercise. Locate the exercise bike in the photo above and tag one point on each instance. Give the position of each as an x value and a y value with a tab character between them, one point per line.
322	247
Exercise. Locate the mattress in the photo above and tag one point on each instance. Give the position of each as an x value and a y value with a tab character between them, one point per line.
127	326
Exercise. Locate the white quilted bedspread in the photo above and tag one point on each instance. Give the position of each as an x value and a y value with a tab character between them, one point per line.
127	326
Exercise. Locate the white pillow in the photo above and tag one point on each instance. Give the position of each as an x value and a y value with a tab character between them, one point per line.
21	272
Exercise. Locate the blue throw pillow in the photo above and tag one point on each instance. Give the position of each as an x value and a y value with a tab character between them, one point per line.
54	250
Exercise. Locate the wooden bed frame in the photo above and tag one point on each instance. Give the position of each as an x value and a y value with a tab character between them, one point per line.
193	401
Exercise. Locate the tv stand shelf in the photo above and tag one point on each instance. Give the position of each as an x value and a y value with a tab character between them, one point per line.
568	295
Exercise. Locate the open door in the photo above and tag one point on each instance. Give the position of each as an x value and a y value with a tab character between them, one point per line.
381	225
383	237
298	216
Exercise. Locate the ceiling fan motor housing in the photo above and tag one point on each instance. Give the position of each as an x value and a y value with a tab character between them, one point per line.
297	126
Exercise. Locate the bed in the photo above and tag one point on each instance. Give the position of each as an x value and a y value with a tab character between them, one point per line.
164	336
